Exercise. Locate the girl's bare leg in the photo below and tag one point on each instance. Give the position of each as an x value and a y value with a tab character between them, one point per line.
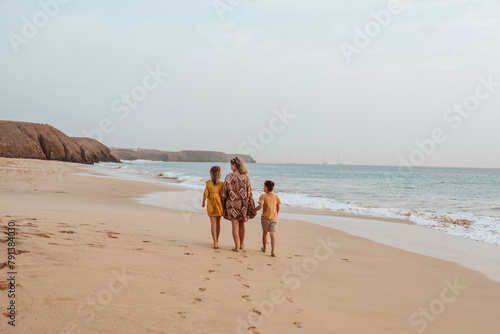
236	235
218	228
242	234
213	222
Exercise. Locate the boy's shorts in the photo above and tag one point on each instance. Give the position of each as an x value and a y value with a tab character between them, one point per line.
269	225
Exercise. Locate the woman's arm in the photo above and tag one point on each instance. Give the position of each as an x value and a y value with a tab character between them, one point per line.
225	189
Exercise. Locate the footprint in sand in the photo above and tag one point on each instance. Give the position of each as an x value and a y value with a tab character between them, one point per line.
246	286
246	297
254	310
112	235
253	329
43	235
206	279
182	246
4	285
218	264
298	310
20	251
182	314
68	232
202	289
269	264
290	300
139	249
188	253
3	265
196	300
298	255
211	271
146	241
347	260
238	276
289	257
298	324
248	268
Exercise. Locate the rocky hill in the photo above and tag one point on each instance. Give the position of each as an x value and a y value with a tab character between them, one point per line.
42	141
186	156
94	150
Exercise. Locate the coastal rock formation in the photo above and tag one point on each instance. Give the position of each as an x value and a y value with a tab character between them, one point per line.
185	156
42	141
94	150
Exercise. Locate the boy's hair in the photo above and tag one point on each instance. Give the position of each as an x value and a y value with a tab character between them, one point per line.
269	185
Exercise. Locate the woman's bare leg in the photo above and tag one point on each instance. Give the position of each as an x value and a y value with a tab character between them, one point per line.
236	235
213	222
242	234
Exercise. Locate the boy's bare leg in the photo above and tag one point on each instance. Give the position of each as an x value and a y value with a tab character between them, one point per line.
236	236
242	234
273	243
264	241
213	222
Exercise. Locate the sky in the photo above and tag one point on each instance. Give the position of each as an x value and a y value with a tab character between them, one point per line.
409	83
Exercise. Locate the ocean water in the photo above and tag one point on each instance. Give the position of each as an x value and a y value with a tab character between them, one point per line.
460	201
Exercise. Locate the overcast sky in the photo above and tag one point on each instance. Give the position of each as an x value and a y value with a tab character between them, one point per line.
233	66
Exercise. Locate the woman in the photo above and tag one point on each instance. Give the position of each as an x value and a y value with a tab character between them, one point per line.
237	199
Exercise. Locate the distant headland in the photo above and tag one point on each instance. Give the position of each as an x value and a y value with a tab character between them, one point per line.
184	156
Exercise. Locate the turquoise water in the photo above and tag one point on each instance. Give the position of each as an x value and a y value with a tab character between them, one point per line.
460	201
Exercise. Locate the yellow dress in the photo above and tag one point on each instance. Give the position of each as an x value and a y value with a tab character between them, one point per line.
213	194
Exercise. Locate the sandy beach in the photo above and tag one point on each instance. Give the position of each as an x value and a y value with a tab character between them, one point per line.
90	258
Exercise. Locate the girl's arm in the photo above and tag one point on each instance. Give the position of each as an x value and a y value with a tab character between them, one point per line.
205	196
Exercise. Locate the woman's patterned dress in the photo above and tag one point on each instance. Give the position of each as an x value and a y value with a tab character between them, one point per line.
237	198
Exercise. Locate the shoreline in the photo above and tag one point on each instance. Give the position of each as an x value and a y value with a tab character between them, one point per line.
481	256
464	224
94	260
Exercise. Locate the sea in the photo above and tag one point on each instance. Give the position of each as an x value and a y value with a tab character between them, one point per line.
459	201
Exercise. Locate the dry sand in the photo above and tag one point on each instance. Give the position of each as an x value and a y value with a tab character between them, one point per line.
97	261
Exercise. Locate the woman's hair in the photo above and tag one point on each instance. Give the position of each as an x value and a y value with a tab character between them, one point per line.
215	174
240	166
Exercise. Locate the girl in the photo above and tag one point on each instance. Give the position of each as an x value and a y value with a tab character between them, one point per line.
213	192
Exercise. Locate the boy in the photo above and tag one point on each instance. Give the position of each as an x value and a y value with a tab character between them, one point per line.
270	203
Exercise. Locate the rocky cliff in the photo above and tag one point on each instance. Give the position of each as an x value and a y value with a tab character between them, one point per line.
42	141
94	150
186	156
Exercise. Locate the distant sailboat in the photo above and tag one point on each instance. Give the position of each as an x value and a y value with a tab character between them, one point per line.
324	161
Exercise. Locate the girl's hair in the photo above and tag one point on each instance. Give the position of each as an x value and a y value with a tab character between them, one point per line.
240	166
215	174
